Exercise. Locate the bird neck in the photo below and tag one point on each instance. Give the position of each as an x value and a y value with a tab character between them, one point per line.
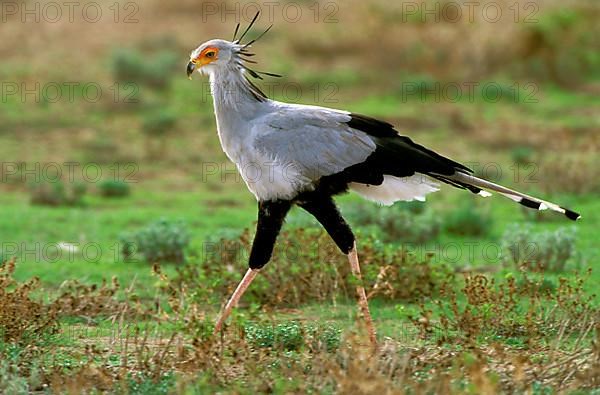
233	93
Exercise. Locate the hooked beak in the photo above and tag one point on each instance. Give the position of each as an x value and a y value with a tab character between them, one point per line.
190	69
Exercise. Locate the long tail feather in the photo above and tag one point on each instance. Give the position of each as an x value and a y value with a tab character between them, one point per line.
525	200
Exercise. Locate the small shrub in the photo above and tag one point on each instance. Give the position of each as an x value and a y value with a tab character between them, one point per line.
12	381
405	222
81	300
518	309
292	336
57	193
155	71
159	123
522	155
102	150
565	64
21	316
47	193
549	250
114	188
414	207
158	72
160	241
579	173
127	64
468	220
288	336
77	193
144	383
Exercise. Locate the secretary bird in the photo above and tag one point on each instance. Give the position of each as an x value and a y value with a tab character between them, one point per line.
291	154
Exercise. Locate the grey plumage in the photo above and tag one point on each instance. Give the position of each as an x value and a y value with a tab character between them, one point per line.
317	142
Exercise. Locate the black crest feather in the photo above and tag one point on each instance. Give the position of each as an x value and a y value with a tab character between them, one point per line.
244	53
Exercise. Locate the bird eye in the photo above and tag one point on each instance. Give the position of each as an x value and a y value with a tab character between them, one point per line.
210	54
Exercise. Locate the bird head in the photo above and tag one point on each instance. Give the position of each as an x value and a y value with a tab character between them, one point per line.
211	55
217	54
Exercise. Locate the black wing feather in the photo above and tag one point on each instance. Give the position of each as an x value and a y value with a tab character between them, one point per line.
398	155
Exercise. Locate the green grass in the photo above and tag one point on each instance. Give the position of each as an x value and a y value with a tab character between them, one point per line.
35	230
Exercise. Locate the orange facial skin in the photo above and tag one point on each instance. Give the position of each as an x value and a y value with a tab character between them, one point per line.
207	56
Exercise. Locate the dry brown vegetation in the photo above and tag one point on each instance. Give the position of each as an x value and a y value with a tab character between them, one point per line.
20	315
485	337
579	173
320	272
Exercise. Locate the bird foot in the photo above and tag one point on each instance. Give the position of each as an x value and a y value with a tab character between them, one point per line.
235	298
362	296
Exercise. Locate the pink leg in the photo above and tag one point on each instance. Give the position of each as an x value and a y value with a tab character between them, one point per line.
235	298
362	296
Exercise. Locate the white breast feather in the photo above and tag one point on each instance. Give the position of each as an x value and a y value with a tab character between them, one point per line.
269	178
